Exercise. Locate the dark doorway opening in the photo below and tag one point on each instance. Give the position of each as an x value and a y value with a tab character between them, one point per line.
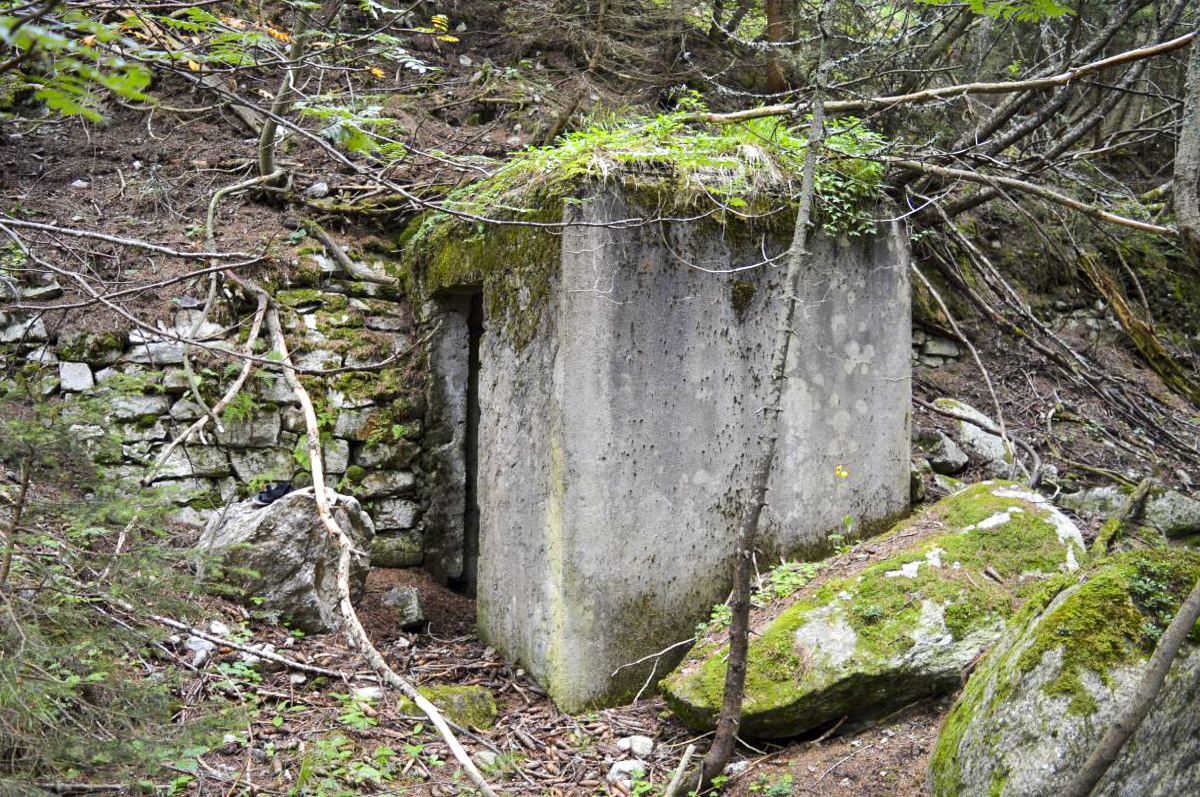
467	582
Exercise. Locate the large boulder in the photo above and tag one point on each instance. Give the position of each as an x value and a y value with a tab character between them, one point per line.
280	558
902	628
1069	663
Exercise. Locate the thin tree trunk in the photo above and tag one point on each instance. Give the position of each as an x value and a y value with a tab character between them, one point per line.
10	537
266	141
1106	752
739	632
1187	161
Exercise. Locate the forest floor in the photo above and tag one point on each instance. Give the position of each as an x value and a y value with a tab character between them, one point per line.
542	751
145	172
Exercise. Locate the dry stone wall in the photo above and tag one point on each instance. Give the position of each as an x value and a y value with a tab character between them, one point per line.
136	388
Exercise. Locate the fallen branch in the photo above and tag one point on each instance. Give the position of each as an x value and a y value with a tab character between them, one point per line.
359	272
1034	190
114	239
677	778
964	89
354	630
987	379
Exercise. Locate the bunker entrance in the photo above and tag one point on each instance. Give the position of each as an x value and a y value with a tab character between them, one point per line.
467	581
451	534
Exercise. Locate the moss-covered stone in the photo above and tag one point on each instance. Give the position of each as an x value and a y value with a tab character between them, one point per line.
1040	699
901	628
468	706
400	550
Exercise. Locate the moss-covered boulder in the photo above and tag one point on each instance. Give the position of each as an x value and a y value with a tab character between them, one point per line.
472	706
1069	662
902	628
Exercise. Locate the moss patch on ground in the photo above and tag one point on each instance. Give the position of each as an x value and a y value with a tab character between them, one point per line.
468	706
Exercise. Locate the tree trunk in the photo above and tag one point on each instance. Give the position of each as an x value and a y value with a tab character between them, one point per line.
776	26
739	631
1187	161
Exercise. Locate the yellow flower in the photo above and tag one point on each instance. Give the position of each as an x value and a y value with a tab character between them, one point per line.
377	72
840	471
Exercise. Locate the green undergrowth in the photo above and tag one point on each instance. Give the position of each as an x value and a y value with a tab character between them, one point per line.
751	167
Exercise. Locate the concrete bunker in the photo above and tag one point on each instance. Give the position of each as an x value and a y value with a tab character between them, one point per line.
594	404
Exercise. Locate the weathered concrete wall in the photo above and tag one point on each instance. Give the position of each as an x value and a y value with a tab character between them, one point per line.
615	444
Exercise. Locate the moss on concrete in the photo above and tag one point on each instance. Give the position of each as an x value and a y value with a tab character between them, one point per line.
515	266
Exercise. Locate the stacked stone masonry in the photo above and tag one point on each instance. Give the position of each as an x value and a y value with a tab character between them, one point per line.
136	383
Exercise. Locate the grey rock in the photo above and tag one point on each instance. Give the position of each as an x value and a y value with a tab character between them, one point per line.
75	377
340	401
985	445
397	550
352	424
275	390
43	293
192	461
186	410
407	603
31	330
293	555
129	407
318	360
260	430
318	190
158	353
291	419
1012	733
337	456
368	692
392	514
919	337
201	649
940	347
1173	513
916	487
139	433
258	662
930	362
640	746
43	355
484	758
381	455
1169	511
175	381
625	771
946	457
1097	500
273	464
378	484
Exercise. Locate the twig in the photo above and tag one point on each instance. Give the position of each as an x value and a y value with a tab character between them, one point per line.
354	629
115	239
677	778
